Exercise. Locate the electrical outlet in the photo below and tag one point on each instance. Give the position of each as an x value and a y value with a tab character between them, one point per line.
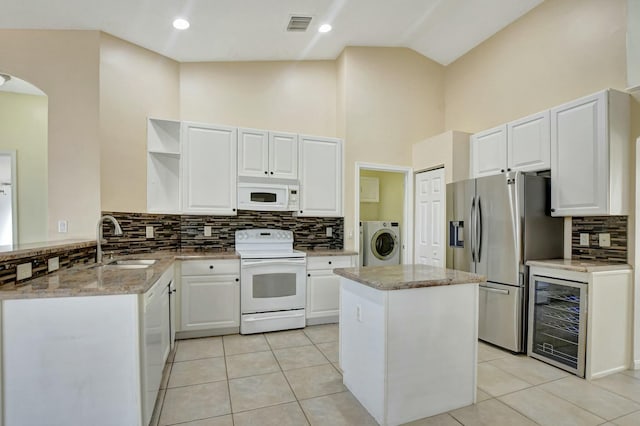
584	239
53	264
604	240
149	231
62	226
23	271
350	234
329	231
207	231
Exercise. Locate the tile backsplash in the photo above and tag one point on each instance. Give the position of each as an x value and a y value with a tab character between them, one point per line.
616	226
186	232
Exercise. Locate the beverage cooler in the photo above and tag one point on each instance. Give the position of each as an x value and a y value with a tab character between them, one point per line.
557	322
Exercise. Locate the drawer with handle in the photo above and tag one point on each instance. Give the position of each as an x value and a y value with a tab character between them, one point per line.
328	262
211	267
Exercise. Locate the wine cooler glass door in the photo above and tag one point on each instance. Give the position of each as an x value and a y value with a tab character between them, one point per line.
557	322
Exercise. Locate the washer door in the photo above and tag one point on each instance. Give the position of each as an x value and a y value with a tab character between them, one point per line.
384	244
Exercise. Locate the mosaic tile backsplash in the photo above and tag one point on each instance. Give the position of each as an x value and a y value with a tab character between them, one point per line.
616	226
186	232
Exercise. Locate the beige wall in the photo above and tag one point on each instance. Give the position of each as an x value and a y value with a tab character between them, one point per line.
135	83
290	96
633	43
23	128
393	97
64	64
561	50
449	150
391	201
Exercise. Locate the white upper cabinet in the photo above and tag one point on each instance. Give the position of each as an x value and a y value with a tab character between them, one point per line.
209	161
369	189
522	145
489	152
283	155
590	156
253	153
320	176
529	143
267	154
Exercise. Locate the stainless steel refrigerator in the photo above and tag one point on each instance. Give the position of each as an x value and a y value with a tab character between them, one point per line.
496	224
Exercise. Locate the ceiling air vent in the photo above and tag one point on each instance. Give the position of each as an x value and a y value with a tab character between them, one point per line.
299	23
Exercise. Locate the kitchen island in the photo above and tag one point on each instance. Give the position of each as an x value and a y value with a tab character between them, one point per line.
408	339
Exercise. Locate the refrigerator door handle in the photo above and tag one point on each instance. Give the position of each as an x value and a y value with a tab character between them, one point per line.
472	230
479	230
493	290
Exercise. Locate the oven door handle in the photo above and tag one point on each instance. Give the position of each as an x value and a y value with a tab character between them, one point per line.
263	262
272	318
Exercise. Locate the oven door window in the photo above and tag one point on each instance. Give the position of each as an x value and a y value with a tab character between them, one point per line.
267	286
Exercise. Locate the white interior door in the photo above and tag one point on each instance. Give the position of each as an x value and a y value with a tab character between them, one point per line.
429	218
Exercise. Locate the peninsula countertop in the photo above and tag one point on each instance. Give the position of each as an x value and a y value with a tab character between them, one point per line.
400	277
94	280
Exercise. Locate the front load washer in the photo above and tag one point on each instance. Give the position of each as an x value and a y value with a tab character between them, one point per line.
381	243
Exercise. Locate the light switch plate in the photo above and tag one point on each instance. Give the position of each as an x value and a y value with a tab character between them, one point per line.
329	231
62	226
604	240
584	239
54	264
207	231
149	231
23	271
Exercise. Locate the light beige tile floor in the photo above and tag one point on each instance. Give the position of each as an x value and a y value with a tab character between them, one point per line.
292	378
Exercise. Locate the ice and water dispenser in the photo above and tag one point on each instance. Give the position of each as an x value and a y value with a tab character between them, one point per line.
456	233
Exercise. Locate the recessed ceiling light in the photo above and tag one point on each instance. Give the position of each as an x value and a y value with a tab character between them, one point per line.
181	24
324	28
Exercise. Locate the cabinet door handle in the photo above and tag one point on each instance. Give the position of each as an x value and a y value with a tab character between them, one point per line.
300	211
265	172
271	172
329	262
210	266
508	170
308	275
553	210
501	170
237	279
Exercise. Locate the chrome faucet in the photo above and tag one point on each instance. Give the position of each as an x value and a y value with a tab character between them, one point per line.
118	231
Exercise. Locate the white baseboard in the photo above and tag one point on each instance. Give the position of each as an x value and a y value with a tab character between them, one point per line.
601	374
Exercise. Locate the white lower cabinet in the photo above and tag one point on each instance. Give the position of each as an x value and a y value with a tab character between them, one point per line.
323	288
210	297
94	360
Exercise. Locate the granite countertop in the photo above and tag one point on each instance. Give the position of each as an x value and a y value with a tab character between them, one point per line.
399	277
579	265
329	252
92	280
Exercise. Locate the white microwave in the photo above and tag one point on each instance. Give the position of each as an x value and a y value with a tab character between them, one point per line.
268	196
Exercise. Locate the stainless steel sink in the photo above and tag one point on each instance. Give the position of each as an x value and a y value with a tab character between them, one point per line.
132	262
127	264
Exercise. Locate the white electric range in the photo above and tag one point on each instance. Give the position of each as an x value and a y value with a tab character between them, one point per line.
272	281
